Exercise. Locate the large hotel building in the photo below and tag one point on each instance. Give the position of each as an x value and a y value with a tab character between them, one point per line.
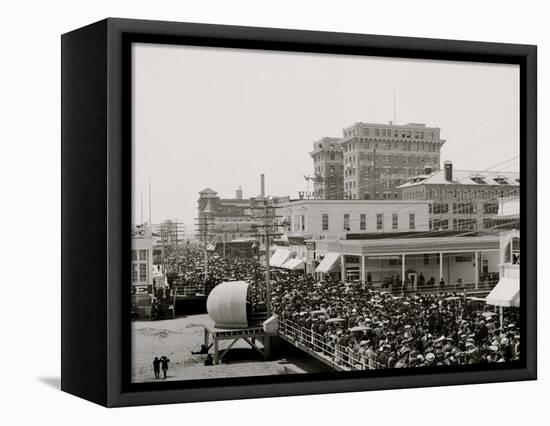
225	219
461	199
371	160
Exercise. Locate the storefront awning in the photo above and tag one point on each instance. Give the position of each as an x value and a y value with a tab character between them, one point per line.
293	264
279	257
505	293
328	263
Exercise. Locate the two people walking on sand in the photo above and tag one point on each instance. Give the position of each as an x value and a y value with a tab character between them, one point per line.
159	363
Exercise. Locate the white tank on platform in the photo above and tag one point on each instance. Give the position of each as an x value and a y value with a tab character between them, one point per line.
226	305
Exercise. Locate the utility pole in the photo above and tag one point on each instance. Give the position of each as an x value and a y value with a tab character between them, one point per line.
176	224
268	226
168	230
267	237
205	253
162	254
268	221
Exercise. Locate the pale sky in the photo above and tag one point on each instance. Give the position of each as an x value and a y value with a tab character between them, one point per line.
217	117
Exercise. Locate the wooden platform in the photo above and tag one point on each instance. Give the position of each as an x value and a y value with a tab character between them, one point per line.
249	335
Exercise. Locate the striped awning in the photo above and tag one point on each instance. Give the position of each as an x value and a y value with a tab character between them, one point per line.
280	256
293	264
505	293
328	263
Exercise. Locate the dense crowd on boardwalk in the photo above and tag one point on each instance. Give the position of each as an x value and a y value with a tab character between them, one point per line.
380	330
361	327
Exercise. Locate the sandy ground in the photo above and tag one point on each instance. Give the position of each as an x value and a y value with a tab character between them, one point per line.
178	337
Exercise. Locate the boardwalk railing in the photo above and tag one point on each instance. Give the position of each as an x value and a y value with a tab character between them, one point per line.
337	356
188	290
483	287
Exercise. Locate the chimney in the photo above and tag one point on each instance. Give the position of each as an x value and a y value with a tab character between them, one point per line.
428	170
239	194
448	166
262	185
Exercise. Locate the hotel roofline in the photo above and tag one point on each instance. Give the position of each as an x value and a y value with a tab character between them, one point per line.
486	176
365	202
411	245
390	125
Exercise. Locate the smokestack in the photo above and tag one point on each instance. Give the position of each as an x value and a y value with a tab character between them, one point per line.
448	166
239	194
262	185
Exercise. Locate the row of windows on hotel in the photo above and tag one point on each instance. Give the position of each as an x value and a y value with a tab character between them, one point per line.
435	257
327	156
365	144
140	265
234	218
363	222
384	183
348	195
404	133
389	158
228	237
404	146
462	208
331	170
407	171
415	194
458	224
234	227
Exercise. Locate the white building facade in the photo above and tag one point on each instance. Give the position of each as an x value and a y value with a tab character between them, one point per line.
506	294
305	221
462	262
335	219
142	260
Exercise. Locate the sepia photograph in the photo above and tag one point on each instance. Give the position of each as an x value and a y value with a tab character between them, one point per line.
301	213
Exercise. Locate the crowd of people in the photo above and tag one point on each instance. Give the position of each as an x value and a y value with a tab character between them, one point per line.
396	285
363	328
352	324
187	270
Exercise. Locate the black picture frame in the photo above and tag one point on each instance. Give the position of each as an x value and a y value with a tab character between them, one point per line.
96	113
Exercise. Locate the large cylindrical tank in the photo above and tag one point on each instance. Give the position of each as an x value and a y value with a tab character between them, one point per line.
226	305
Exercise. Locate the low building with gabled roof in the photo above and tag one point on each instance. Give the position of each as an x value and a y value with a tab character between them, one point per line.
461	200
